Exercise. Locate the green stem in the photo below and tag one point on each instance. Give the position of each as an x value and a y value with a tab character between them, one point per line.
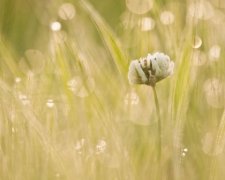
159	124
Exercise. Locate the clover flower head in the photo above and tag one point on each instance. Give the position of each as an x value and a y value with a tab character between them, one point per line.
150	69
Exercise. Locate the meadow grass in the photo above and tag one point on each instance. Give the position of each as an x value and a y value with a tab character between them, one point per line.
68	112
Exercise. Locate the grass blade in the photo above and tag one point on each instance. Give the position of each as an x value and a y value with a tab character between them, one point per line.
108	37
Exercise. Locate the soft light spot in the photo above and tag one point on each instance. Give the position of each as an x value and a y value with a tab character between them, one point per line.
13	130
147	24
131	98
24	99
57	175
55	26
139	6
50	103
30	75
101	146
184	152
79	144
81	87
201	10
214	52
17	80
215	92
199	58
167	17
197	42
66	11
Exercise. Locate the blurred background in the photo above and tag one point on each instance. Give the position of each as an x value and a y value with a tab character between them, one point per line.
68	112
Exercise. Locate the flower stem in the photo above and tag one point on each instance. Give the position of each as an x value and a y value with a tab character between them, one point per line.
159	124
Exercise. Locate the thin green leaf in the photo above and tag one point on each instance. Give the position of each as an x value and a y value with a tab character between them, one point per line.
109	38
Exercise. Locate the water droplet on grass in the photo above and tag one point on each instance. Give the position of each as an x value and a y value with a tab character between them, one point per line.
197	42
50	103
17	80
55	26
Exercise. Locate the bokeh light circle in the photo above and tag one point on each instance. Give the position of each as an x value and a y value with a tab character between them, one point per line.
139	6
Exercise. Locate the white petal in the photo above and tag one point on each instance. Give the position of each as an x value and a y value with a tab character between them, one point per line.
136	75
140	71
171	67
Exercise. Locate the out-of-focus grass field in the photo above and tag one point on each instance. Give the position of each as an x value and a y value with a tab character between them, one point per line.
68	112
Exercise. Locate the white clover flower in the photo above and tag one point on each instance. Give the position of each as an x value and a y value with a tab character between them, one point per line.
151	69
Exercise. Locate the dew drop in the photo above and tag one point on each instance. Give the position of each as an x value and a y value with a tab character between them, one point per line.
197	42
55	26
50	103
17	80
